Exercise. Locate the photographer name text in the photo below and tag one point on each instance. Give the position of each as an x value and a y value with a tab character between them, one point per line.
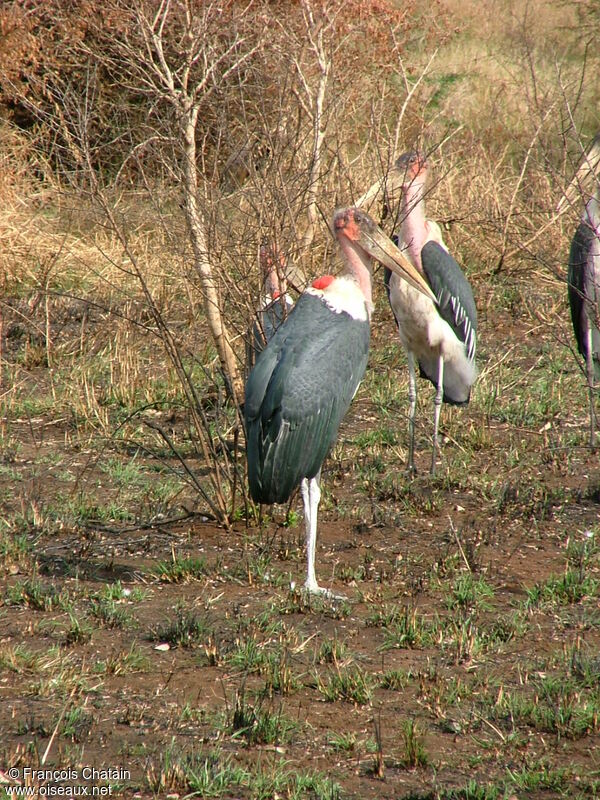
30	782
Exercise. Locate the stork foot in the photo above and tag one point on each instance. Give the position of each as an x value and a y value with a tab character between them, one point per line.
313	588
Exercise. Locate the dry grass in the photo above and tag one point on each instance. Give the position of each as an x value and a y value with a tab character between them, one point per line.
491	106
94	495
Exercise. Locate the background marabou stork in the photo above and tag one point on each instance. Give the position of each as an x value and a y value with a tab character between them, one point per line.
304	380
583	279
440	333
276	303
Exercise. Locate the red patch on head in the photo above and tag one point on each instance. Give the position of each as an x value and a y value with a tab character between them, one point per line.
418	168
323	282
352	230
345	223
413	165
276	294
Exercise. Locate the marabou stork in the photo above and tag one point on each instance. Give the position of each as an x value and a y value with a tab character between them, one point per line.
304	380
440	333
276	303
583	279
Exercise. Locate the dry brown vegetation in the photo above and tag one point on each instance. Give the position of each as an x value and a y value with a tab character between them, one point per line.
146	150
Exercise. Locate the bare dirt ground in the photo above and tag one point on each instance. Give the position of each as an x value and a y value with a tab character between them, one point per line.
462	664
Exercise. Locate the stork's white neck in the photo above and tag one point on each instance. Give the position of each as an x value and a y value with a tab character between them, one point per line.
276	297
413	229
342	294
273	285
358	266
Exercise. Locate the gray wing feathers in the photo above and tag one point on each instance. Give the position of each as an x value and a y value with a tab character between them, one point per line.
577	262
463	322
584	282
298	393
267	320
453	292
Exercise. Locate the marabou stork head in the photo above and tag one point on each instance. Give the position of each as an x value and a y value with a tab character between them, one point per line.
589	165
410	168
354	228
273	265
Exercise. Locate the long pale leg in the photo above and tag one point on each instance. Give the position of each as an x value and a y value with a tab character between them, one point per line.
590	378
311	494
436	411
412	410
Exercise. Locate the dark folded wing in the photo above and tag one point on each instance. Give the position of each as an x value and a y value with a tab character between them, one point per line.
456	303
297	394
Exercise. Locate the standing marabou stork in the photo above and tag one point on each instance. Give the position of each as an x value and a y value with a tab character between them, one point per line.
276	303
440	333
304	380
583	280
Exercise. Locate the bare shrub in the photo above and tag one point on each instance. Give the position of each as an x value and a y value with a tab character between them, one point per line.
180	134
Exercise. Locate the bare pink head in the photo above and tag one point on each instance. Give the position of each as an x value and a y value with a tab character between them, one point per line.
272	263
412	168
361	240
347	223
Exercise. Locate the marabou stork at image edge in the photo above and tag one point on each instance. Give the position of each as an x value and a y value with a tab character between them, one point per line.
276	303
440	333
583	278
304	380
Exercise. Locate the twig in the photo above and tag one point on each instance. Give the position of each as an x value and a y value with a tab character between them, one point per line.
56	727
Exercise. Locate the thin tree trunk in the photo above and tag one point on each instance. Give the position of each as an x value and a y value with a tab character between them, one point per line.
315	36
312	210
202	262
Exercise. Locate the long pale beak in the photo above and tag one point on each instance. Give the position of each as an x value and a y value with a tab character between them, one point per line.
589	165
382	249
371	192
392	183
